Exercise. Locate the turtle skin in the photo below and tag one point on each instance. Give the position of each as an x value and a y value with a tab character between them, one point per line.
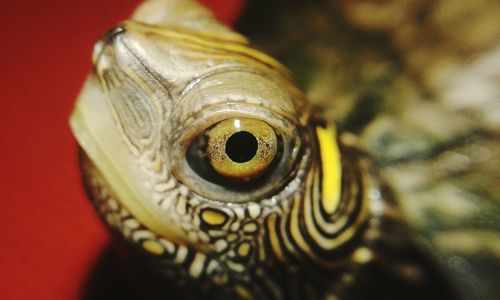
417	84
413	88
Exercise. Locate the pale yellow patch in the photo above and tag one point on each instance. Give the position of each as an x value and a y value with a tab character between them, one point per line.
197	265
362	255
213	217
243	292
244	249
153	247
220	279
275	244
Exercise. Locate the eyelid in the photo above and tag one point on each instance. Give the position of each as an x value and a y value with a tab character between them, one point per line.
182	132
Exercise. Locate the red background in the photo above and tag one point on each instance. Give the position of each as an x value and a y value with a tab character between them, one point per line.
50	237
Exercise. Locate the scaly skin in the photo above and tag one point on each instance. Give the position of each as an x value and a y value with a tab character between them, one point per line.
319	224
417	82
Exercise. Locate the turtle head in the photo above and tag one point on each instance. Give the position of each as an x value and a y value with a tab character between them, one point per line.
209	155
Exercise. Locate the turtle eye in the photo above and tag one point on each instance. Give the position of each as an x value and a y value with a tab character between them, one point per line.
241	148
236	149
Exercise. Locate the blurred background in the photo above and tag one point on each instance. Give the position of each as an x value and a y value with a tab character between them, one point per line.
50	237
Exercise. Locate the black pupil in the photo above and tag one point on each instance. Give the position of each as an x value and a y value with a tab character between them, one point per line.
241	146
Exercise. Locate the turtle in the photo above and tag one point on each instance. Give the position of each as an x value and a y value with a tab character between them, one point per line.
349	151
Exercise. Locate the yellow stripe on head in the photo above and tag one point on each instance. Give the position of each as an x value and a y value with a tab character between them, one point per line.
331	167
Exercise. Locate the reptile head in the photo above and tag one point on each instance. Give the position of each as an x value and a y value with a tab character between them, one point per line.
202	153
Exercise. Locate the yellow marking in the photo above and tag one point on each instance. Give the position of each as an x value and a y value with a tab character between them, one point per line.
330	226
331	167
284	226
231	46
196	267
295	229
181	255
250	227
243	292
362	255
231	237
234	57
212	266
220	279
235	266
244	249
168	245
275	244
213	217
345	236
153	247
131	223
220	245
309	214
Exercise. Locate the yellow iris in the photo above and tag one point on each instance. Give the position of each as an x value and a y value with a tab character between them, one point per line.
241	148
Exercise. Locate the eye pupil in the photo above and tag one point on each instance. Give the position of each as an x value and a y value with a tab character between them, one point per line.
241	146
